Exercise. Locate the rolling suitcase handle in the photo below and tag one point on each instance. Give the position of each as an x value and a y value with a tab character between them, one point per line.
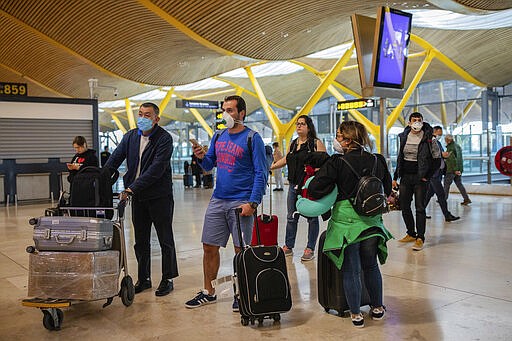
238	210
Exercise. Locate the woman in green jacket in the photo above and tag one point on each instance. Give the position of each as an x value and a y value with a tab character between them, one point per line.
354	242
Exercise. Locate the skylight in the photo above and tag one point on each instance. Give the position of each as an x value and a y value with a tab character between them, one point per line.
204	84
332	52
446	20
264	70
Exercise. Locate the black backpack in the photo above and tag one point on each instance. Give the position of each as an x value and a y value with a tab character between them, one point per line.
92	187
369	199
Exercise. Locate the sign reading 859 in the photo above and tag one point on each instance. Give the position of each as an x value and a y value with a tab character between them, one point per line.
13	89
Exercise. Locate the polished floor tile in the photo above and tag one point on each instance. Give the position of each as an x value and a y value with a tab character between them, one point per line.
457	288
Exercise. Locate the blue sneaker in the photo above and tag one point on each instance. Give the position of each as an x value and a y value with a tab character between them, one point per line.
202	298
235	305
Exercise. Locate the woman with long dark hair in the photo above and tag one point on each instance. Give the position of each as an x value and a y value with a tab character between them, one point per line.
354	241
306	143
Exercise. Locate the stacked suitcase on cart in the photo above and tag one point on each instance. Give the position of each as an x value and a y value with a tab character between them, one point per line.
73	259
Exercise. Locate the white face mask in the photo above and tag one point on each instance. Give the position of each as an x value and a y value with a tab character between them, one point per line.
416	126
229	121
337	146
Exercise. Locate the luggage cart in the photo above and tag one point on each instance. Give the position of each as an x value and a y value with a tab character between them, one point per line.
51	308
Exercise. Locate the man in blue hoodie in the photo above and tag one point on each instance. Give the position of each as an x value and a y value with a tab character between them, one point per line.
148	180
241	181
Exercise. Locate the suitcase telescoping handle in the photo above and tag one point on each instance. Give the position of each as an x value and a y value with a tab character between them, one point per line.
238	210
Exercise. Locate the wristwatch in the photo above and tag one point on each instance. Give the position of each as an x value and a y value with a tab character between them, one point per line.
253	205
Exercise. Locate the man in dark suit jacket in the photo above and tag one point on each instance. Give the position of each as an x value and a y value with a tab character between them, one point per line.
147	150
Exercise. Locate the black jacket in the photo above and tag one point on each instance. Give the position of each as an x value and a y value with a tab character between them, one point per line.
336	172
154	180
429	155
87	158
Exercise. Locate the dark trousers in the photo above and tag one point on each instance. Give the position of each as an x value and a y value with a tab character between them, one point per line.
158	212
198	180
411	185
435	186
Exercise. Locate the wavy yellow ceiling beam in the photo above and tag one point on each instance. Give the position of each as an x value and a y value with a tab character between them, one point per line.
116	119
447	61
249	92
59	45
183	28
33	80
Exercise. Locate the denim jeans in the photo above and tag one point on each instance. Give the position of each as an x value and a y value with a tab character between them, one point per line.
293	219
362	255
411	186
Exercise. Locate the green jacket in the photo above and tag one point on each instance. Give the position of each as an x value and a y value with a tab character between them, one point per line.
454	162
347	227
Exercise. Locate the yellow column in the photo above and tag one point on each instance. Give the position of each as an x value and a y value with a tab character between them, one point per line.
129	114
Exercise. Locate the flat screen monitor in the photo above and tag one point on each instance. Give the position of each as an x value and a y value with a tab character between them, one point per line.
391	48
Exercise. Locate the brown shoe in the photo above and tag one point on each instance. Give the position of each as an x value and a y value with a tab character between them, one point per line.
418	245
466	202
407	239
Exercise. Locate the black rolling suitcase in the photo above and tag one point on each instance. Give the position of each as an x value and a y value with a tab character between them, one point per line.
331	294
187	180
261	278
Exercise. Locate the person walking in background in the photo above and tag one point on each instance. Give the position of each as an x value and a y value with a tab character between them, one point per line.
454	168
84	157
196	171
359	238
239	154
306	142
278	173
104	155
418	159
435	184
148	181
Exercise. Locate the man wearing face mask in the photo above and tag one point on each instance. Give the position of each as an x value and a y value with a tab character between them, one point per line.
435	184
148	181
418	158
241	180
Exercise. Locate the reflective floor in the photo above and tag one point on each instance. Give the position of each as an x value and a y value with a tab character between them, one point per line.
458	288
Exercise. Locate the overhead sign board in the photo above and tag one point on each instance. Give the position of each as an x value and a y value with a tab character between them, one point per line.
13	89
356	104
197	104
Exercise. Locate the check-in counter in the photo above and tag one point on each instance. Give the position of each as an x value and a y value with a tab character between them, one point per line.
33	186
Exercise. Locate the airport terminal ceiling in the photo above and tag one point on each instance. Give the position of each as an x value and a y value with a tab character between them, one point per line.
136	46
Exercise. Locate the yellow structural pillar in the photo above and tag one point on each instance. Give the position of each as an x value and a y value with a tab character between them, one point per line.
129	114
166	99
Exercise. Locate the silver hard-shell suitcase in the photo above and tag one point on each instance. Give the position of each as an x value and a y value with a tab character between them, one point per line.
64	233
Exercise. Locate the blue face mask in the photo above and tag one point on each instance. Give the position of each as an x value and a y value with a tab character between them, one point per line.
144	123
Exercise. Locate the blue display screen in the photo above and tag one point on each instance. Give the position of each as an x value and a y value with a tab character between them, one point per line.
394	37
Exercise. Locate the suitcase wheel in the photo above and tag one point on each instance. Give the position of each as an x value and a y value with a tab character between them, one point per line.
253	320
277	317
244	321
30	249
52	318
260	320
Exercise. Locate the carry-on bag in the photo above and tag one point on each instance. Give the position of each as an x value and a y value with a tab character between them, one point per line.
64	233
268	225
331	294
261	279
92	187
187	180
